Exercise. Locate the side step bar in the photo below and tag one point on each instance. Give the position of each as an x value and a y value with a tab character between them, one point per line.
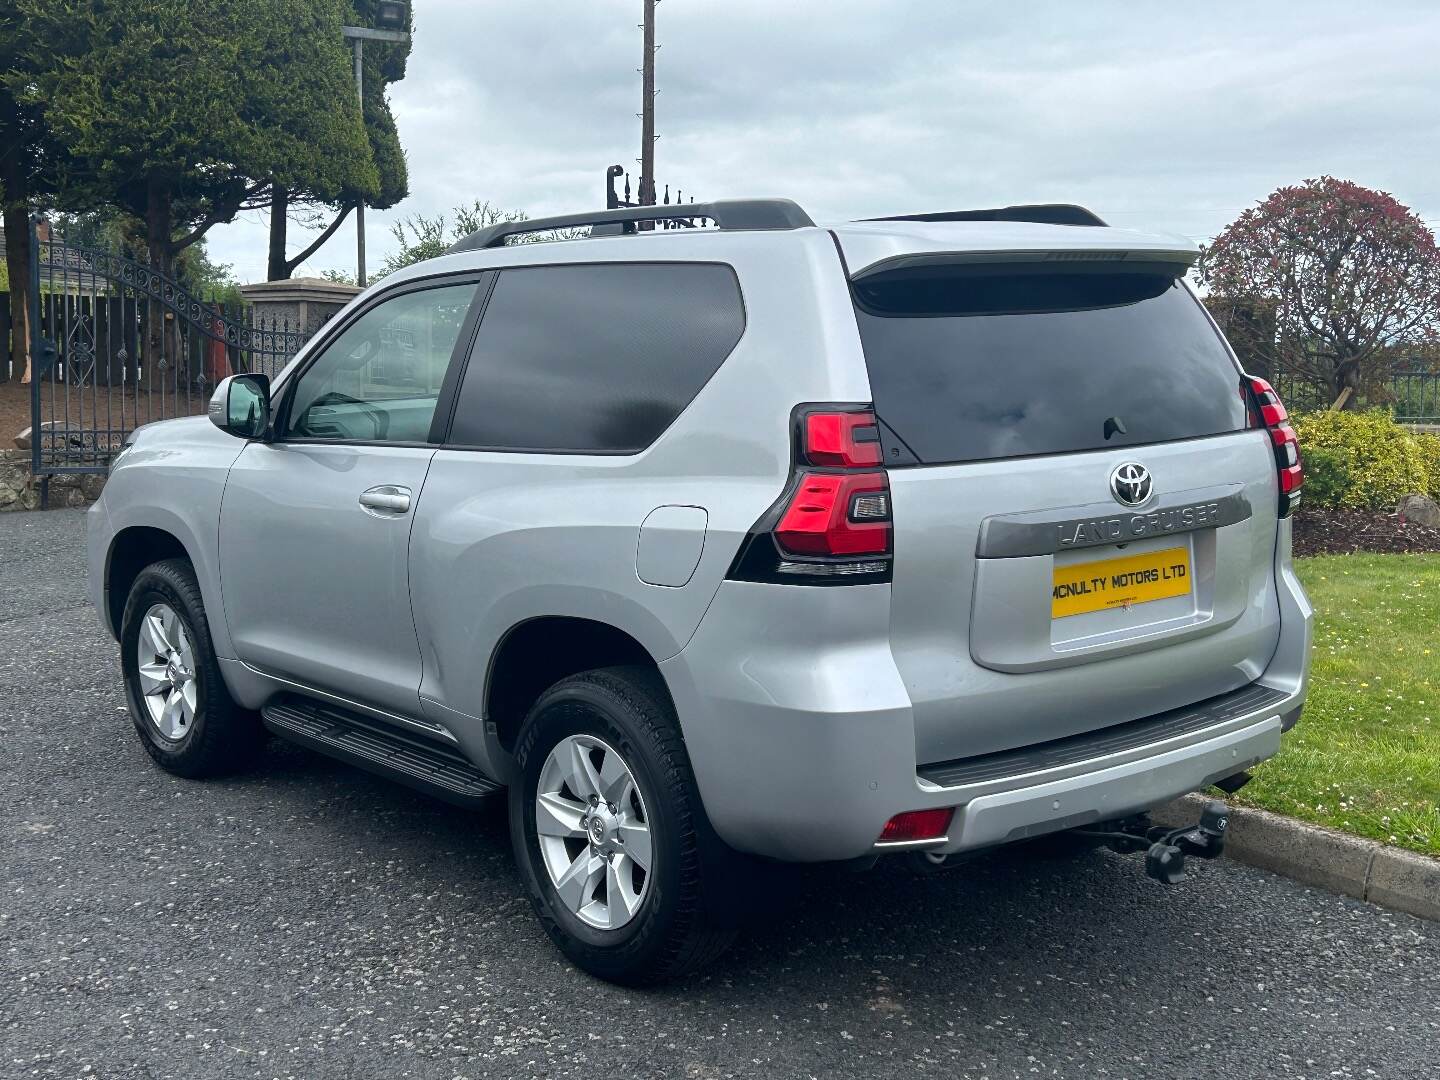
356	740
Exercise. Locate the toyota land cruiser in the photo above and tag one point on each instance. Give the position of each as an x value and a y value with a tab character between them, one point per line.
736	540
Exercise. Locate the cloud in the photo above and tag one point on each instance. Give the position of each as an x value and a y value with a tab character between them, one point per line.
1172	117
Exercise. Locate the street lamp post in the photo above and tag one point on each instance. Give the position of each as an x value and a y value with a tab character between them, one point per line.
391	16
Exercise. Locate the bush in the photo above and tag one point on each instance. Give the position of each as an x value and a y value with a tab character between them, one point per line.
1429	447
1327	477
1361	460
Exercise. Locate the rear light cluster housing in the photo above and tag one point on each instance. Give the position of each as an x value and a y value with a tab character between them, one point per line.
832	525
1269	413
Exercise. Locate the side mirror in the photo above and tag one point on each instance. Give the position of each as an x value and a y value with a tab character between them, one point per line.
241	405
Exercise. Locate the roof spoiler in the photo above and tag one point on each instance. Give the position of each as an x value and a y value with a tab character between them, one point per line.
1172	261
1040	213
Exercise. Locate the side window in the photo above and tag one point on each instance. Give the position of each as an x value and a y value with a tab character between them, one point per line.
597	358
379	379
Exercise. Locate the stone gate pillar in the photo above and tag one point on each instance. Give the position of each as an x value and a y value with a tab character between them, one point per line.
298	305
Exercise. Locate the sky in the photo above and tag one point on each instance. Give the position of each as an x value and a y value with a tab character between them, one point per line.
1172	117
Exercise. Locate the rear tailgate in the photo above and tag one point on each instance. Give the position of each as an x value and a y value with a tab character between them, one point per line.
1022	402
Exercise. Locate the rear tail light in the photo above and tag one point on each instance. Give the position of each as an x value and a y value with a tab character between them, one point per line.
832	525
1270	413
916	825
837	514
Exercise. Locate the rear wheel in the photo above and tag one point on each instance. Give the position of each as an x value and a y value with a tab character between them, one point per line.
608	830
181	708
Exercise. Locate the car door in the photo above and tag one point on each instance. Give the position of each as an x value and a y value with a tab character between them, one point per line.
315	522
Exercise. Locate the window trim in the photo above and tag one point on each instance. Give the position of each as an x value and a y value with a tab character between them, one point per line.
444	440
485	281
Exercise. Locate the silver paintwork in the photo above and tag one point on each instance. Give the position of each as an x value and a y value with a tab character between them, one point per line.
805	710
315	584
593	832
165	662
873	246
1104	793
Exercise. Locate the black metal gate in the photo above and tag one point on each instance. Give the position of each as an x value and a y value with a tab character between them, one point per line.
115	345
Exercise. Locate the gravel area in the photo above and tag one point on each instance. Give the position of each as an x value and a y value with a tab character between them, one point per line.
309	921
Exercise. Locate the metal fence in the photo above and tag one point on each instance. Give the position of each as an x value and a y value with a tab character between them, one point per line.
614	201
1411	393
115	345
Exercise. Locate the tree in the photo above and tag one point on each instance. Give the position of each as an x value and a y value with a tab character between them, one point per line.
420	237
29	158
1349	272
181	112
308	202
115	233
19	133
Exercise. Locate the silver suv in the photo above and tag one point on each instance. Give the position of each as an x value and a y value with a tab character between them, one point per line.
732	544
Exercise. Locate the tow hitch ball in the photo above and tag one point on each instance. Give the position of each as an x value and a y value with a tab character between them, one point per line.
1165	849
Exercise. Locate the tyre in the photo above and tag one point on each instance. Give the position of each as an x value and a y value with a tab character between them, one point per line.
186	718
609	835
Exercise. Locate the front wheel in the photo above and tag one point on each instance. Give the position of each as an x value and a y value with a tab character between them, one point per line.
182	710
608	830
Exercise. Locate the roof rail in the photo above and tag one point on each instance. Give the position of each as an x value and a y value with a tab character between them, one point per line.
1041	213
728	215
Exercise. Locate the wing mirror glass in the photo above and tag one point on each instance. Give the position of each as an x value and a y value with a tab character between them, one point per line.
241	405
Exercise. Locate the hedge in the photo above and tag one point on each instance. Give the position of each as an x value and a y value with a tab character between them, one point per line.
1364	460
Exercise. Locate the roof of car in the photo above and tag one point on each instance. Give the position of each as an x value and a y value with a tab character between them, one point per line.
1052	232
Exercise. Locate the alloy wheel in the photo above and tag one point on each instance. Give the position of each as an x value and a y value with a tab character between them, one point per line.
594	832
166	666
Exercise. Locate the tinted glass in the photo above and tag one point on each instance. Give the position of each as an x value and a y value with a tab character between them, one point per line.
594	358
379	379
971	363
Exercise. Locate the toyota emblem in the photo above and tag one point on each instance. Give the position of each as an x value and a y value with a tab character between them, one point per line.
1130	483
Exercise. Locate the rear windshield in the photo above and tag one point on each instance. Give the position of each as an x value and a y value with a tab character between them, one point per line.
969	363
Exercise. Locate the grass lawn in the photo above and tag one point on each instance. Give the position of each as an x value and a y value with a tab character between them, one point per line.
1366	755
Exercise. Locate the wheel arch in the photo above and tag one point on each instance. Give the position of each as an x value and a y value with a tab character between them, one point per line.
535	653
131	550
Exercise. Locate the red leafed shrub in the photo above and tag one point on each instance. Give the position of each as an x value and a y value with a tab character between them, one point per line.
1349	272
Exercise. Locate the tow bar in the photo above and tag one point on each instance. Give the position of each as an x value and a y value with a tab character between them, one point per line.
1165	849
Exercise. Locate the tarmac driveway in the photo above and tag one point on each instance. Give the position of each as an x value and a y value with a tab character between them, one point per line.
310	921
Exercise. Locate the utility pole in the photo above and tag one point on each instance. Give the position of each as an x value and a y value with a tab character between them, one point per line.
359	44
391	17
647	110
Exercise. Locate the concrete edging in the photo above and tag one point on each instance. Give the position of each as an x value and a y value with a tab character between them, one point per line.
1365	869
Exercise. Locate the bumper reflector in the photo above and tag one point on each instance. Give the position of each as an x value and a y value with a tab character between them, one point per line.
917	825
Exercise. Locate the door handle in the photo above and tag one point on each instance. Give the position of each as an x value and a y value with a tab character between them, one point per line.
386	499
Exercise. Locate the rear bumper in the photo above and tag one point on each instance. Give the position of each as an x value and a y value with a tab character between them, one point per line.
803	751
1101	792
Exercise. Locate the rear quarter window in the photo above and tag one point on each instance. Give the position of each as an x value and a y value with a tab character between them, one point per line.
975	362
597	358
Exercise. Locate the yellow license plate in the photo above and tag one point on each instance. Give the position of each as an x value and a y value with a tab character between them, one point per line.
1110	583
